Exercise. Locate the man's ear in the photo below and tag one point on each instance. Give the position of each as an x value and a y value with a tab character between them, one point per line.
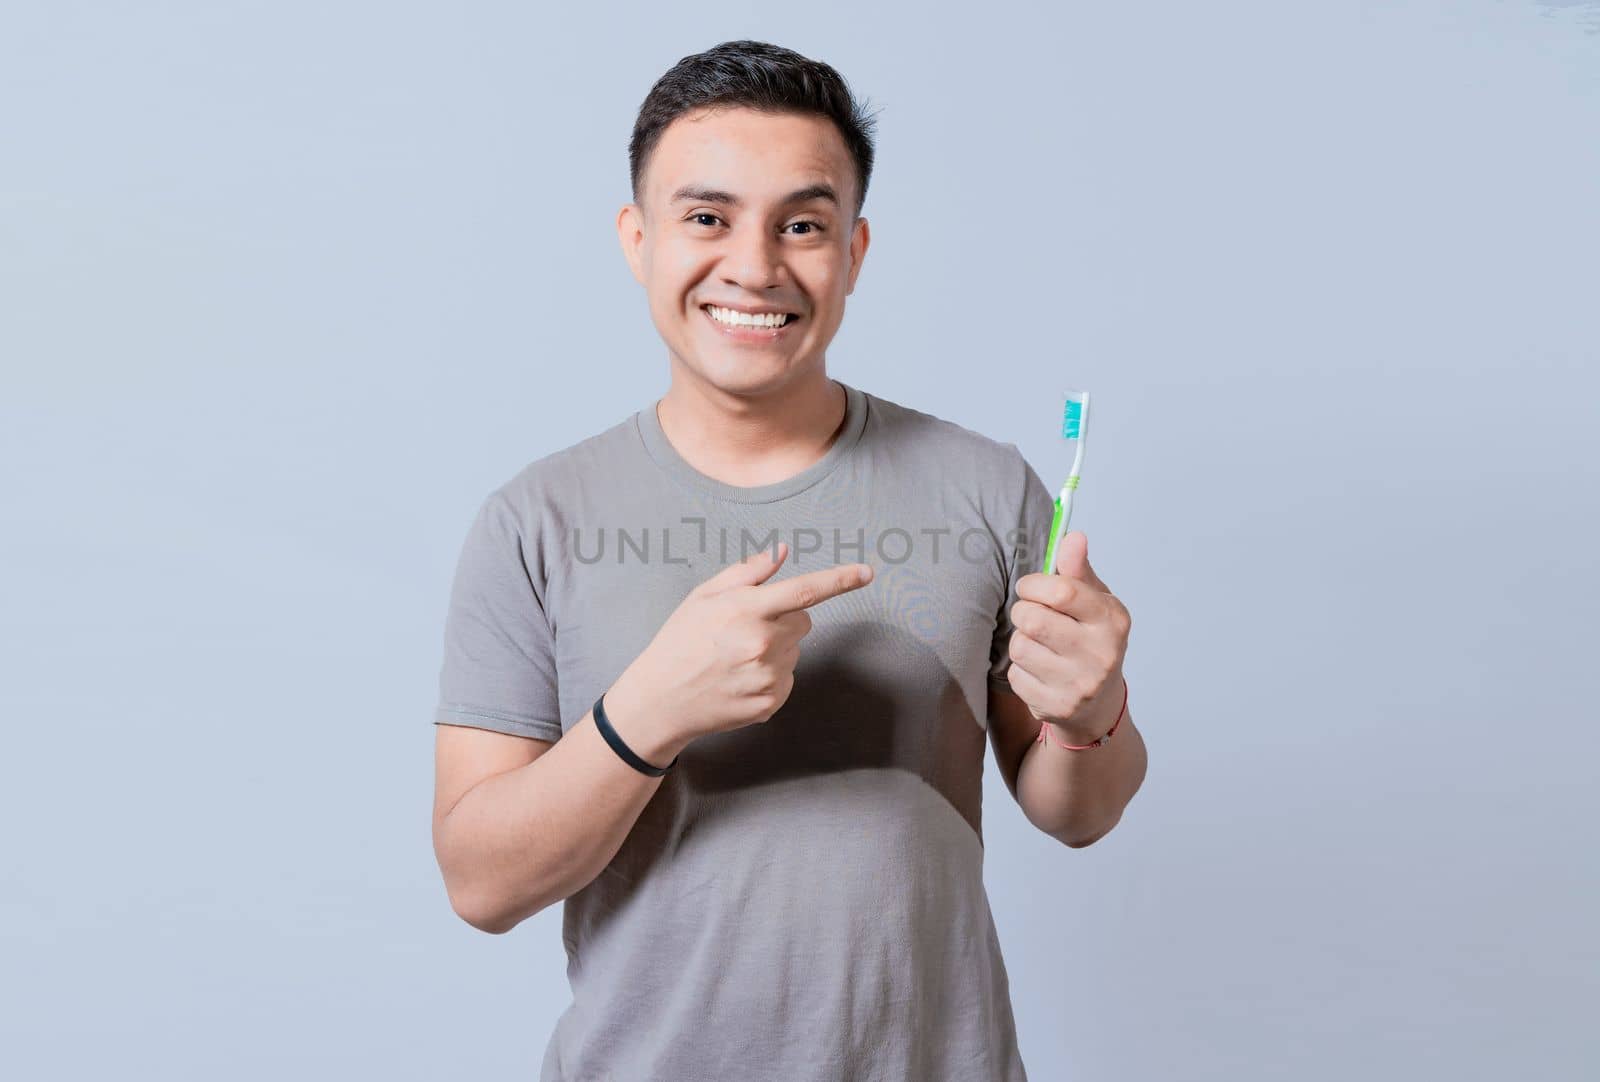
860	237
630	234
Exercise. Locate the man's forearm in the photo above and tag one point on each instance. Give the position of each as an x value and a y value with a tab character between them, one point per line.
526	839
1077	796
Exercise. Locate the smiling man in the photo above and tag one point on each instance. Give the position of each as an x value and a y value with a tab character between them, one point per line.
720	678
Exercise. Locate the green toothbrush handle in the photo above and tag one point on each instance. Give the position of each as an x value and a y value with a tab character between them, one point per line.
1050	549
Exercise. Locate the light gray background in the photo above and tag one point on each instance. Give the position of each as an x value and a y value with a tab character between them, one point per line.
285	289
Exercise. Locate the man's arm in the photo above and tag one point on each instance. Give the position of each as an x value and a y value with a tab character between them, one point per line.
516	829
1075	797
520	824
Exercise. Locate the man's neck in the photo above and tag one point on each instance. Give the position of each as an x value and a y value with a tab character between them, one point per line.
748	441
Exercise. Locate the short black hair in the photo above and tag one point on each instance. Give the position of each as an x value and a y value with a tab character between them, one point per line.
760	76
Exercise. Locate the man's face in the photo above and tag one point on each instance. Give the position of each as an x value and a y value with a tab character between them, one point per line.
753	212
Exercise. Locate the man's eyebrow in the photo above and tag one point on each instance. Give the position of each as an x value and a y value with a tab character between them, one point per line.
695	194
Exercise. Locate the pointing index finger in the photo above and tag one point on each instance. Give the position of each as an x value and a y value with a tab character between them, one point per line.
814	587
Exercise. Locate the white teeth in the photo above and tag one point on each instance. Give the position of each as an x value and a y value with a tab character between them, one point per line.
768	320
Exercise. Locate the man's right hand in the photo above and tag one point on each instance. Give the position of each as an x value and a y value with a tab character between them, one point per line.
725	658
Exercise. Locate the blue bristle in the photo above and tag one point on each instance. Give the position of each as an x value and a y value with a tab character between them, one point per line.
1072	420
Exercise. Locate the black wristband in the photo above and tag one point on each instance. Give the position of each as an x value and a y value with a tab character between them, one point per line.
603	723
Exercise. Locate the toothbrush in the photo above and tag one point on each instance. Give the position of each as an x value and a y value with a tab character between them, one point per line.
1074	426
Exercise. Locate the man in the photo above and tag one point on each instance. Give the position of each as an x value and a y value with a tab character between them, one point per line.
719	677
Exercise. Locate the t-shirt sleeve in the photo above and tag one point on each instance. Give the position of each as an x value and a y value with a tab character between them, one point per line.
1025	535
499	669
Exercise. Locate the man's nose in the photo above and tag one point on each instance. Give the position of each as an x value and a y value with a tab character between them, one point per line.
755	260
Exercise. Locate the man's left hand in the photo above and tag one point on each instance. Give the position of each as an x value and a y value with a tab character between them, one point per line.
1071	634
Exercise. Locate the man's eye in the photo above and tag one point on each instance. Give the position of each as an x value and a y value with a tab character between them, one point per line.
815	227
697	217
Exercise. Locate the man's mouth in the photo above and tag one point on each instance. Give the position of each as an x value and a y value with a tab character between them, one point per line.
734	319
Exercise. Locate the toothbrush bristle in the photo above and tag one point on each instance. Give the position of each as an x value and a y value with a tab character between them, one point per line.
1072	420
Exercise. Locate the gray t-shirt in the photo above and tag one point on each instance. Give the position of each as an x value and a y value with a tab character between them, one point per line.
802	898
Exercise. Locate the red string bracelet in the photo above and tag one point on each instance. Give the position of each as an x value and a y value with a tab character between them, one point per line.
1084	747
